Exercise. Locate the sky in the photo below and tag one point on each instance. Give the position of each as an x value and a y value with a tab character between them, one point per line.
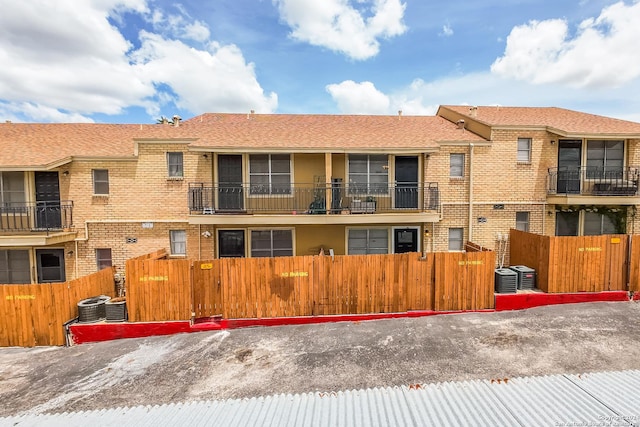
134	61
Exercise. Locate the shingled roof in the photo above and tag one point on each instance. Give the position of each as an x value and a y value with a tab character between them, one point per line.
36	145
326	132
557	119
44	145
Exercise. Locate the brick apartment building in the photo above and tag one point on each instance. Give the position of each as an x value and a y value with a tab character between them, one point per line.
77	197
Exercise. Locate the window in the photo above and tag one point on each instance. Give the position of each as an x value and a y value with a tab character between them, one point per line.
11	188
364	241
456	239
456	165
524	150
270	173
567	223
174	165
271	243
100	181
522	221
605	159
14	267
178	240
103	258
596	224
368	174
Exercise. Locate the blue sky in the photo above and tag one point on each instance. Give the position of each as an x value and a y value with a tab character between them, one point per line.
132	61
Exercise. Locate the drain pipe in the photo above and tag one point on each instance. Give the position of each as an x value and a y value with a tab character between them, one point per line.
470	239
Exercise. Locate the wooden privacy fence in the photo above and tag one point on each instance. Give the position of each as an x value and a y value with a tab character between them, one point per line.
34	315
567	264
308	285
634	264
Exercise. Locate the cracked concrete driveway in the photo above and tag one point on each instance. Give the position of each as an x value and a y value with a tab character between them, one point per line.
296	359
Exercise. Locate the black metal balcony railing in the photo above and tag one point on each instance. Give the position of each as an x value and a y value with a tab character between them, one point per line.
595	181
311	198
38	216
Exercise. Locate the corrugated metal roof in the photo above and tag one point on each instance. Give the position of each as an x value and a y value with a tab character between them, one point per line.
589	399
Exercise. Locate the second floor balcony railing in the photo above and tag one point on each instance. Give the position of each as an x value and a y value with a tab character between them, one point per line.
312	199
36	216
595	181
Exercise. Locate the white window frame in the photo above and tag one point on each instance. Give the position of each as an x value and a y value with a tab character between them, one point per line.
257	190
461	239
98	180
102	260
271	250
368	238
522	224
175	164
524	150
178	242
362	189
454	167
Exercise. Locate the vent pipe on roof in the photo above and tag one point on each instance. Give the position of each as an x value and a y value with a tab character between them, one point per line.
176	120
460	124
251	113
399	114
473	111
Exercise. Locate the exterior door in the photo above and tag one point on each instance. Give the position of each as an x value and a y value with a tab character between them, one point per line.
405	240
406	182
230	193
231	244
47	200
50	264
569	155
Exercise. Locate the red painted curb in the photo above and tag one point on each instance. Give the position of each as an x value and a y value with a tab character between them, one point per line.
95	332
308	320
521	301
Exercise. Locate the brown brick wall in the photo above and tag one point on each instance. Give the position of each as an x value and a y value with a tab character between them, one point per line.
138	190
114	235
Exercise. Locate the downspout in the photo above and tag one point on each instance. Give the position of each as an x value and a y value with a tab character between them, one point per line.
470	239
199	241
75	267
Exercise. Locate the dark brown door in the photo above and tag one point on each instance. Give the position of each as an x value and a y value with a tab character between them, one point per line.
50	264
47	200
405	240
230	192
231	244
406	182
569	162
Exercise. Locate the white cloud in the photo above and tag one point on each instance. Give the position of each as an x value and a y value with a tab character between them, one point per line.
79	64
447	31
351	28
216	79
179	26
601	54
358	98
484	88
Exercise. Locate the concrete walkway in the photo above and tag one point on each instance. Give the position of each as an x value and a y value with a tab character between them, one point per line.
245	363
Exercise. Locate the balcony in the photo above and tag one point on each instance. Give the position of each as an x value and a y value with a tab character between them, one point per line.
38	216
310	199
587	185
